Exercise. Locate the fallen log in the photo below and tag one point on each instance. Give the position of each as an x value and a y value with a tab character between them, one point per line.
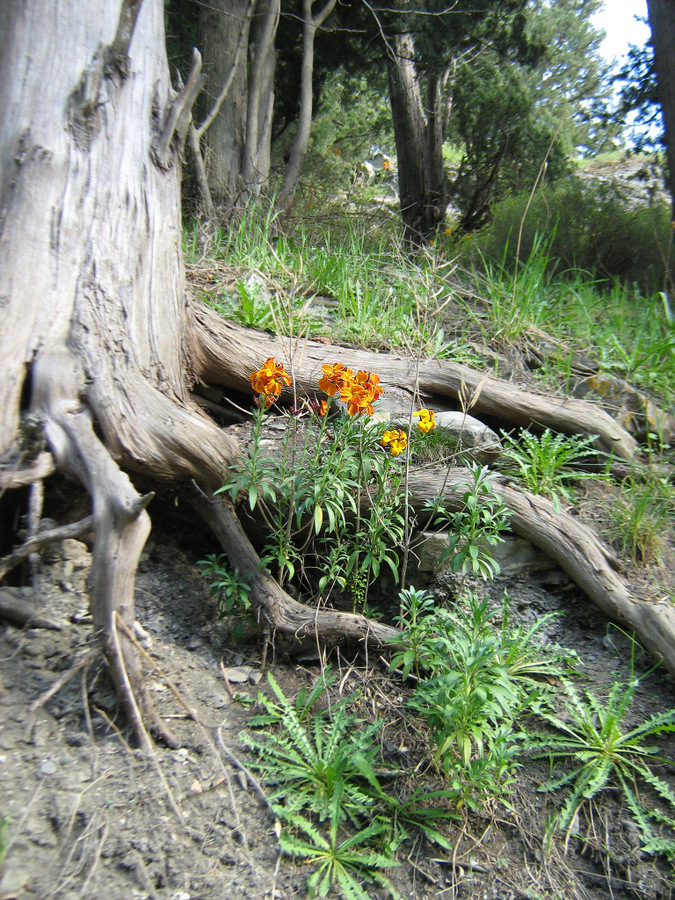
228	353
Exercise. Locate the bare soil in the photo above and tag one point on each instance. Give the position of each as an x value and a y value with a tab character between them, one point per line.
91	817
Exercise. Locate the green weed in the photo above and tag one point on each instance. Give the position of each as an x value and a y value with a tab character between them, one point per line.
545	463
641	516
474	528
592	737
230	588
475	681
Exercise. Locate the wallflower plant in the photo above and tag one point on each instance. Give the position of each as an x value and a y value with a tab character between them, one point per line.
330	494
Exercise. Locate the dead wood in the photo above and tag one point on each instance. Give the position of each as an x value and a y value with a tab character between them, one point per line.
19	475
20	611
42	539
227	353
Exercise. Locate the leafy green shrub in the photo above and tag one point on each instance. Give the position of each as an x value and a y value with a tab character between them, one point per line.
475	681
310	491
476	527
230	588
596	230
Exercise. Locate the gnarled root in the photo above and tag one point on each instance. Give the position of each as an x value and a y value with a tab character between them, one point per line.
281	610
121	527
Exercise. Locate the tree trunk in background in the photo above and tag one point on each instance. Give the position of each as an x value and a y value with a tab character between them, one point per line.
237	143
662	24
418	131
301	143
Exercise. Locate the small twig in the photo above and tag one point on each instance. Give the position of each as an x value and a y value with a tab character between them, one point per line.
172	687
63	679
137	723
97	859
21	476
41	539
247	772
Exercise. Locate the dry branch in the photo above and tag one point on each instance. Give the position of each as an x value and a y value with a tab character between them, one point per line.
50	536
281	610
575	547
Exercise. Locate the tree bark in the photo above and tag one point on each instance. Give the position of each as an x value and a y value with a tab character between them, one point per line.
662	24
238	137
311	24
418	132
93	316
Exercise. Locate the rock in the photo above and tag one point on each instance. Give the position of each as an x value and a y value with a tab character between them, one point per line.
632	409
472	435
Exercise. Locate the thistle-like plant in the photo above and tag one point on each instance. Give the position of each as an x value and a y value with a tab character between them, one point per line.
545	463
309	758
601	752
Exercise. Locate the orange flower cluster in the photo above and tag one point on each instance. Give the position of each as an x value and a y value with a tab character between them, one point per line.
426	422
358	391
397	441
268	380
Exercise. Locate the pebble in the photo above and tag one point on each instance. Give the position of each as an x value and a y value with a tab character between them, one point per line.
48	767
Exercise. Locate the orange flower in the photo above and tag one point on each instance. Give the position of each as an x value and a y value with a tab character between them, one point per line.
396	440
323	408
333	378
268	380
426	422
357	398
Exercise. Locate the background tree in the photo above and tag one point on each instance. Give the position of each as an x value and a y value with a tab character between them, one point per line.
662	24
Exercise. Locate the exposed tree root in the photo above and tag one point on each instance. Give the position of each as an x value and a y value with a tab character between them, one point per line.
280	610
16	476
227	353
49	536
121	527
575	547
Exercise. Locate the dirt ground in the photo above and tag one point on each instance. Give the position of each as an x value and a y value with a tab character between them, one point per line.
88	816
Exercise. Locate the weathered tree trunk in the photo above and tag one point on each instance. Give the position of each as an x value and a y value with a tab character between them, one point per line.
311	24
418	131
662	24
237	140
96	335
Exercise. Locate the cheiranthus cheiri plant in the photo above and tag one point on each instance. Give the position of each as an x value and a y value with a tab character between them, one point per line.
268	380
426	422
396	440
309	493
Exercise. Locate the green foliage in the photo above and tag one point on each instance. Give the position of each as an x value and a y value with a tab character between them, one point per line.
592	737
309	494
545	463
4	838
479	680
476	527
342	865
641	516
321	767
597	231
230	588
506	138
310	759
